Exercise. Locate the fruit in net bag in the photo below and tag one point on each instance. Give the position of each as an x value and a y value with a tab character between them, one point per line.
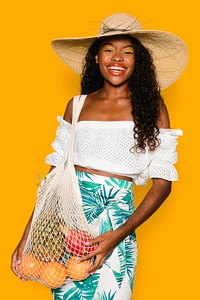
53	275
75	242
76	271
47	240
30	267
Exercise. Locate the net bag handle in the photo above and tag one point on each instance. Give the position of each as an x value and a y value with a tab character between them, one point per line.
78	102
69	169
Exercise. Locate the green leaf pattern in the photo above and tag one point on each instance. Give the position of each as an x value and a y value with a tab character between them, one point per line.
107	204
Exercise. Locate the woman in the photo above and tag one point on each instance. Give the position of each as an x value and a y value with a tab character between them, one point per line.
122	138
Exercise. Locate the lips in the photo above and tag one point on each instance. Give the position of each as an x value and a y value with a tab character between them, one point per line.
116	70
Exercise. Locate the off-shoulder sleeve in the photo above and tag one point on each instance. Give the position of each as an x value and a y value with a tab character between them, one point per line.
61	143
162	160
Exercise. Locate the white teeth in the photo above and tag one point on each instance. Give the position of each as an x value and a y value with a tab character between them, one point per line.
116	68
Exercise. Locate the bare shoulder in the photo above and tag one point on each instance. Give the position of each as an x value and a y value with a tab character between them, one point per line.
68	111
163	119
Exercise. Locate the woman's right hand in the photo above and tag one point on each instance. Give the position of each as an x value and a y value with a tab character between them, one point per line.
17	254
17	257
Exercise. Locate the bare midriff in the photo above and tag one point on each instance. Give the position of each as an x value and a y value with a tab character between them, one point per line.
98	172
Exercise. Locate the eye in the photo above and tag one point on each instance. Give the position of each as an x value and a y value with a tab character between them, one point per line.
129	52
107	50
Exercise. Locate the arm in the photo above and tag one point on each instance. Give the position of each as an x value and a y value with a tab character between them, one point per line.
152	201
159	191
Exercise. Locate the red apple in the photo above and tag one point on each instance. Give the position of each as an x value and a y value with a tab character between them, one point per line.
75	242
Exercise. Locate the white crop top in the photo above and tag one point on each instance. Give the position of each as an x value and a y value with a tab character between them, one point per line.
104	145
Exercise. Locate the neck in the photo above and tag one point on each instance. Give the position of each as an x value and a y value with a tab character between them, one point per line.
115	92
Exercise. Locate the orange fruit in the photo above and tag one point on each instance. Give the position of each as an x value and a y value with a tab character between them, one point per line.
29	266
53	275
76	270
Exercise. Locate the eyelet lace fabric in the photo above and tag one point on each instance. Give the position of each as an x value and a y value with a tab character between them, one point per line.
60	144
105	146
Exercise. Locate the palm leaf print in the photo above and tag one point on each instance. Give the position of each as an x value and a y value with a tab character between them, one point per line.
131	256
57	294
125	184
104	296
107	204
82	290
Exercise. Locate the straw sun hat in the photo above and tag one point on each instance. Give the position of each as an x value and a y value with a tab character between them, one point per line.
168	51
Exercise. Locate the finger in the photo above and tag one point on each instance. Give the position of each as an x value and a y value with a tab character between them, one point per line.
13	268
93	268
94	241
88	256
14	263
16	260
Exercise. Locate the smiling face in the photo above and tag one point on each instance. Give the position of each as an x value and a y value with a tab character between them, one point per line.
116	59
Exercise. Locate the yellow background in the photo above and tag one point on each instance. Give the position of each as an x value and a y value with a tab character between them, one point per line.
35	87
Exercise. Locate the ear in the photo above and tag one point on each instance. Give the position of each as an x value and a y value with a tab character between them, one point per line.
97	58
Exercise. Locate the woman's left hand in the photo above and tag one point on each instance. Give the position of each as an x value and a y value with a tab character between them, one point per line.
106	243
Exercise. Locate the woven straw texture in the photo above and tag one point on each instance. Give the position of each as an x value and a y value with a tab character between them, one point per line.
168	51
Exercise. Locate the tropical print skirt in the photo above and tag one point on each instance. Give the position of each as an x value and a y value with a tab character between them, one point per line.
107	203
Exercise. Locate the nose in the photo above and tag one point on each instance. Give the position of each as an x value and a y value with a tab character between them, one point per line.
117	56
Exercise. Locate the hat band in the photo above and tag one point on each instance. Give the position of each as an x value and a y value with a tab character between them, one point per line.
107	29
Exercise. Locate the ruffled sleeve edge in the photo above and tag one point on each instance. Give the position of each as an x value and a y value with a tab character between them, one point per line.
172	132
63	122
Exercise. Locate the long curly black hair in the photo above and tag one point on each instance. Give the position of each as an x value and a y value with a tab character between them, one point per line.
143	86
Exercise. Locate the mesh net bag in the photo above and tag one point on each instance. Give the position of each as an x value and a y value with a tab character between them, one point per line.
59	228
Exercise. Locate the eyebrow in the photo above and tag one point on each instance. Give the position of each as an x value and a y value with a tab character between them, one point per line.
110	44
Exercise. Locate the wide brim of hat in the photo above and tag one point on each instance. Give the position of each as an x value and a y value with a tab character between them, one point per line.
168	51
